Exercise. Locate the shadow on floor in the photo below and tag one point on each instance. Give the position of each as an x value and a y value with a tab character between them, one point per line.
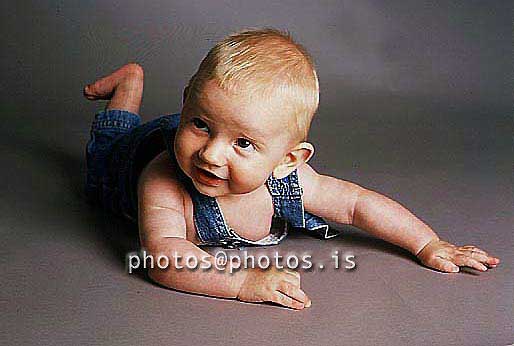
66	180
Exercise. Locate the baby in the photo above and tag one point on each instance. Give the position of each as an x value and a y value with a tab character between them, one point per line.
232	164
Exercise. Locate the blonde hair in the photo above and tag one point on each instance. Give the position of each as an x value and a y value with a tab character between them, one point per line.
266	63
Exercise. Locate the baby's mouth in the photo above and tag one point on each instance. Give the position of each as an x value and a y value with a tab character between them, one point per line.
207	177
211	174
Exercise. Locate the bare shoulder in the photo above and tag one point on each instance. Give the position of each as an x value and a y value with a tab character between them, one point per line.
158	183
329	197
160	200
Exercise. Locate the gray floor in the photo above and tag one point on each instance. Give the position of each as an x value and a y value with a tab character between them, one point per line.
415	103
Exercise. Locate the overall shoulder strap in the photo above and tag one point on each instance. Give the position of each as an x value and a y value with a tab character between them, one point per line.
288	202
286	194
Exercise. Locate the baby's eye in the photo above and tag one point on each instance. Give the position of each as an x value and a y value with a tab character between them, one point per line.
245	144
200	124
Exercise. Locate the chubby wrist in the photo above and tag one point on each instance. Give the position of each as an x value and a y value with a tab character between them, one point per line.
422	245
238	280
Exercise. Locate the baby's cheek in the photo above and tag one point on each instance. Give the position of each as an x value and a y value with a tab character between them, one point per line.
183	152
250	177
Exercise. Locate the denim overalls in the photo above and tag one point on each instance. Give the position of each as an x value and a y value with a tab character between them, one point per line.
120	147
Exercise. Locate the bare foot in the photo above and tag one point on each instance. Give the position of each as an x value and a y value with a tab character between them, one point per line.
103	89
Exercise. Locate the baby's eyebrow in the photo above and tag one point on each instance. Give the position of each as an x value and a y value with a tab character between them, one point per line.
254	139
202	109
259	137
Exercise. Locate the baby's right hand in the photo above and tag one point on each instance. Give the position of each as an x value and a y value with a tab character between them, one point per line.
274	285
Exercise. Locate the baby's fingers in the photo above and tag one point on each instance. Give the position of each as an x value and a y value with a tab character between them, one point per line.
482	257
443	265
282	299
465	260
294	292
492	261
472	248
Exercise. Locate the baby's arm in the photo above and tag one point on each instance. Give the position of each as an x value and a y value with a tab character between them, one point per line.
162	229
347	203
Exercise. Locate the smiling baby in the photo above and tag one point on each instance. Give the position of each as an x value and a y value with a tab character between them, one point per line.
233	163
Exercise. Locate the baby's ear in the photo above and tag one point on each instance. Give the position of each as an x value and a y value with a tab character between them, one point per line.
297	156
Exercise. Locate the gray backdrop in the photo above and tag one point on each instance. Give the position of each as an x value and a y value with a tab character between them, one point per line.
416	102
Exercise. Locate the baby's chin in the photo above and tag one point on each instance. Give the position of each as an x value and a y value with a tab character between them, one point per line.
209	190
212	191
218	191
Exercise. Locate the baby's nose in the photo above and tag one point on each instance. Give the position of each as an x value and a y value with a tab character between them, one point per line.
213	153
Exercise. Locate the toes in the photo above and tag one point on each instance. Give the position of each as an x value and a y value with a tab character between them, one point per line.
94	91
88	92
131	75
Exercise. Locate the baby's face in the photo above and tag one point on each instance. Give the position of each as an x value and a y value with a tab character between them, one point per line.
238	141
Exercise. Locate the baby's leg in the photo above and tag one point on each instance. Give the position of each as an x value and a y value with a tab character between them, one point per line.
123	87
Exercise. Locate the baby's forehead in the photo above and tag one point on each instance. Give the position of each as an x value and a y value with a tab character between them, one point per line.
264	117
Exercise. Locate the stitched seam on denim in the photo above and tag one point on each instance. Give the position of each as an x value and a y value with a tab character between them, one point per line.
202	225
221	227
112	124
316	223
199	230
116	113
301	197
276	202
115	118
298	191
289	194
221	224
216	227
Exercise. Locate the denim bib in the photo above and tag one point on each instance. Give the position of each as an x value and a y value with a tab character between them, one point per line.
286	194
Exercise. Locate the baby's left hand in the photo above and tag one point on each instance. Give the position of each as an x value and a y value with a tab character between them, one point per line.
447	257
